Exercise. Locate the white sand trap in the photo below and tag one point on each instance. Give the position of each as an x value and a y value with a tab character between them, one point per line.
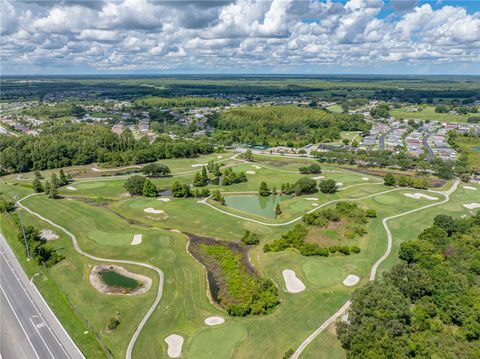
318	177
257	167
175	230
153	210
95	169
419	196
164	199
311	199
174	343
71	188
214	321
351	280
250	172
365	178
199	165
471	205
293	284
339	184
137	239
314	204
469	187
48	235
219	157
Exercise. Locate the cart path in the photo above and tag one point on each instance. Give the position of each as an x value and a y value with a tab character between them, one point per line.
81	252
375	266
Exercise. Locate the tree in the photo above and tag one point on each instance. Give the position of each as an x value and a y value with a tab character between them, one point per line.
37	185
156	169
54	180
445	222
328	186
371	213
248	155
37	174
217	196
304	185
134	185
53	192
263	190
62	181
389	180
177	190
278	210
149	189
216	170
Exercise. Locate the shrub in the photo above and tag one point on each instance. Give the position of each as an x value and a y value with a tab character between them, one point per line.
305	185
250	238
328	186
371	213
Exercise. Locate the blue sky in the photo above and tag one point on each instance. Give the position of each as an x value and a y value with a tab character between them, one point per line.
240	36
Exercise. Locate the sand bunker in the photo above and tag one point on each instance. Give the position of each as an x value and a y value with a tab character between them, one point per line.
469	187
219	157
95	169
175	230
71	188
137	239
257	167
318	177
199	165
48	235
153	210
250	172
164	199
314	204
419	195
145	283
214	321
339	184
174	343
471	205
365	178
351	280
311	199
293	284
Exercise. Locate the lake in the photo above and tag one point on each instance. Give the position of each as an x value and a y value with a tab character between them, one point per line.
262	206
113	279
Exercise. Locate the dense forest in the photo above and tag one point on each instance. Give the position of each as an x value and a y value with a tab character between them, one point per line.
79	144
427	306
282	125
154	101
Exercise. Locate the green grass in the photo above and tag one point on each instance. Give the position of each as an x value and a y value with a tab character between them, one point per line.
428	113
107	231
466	145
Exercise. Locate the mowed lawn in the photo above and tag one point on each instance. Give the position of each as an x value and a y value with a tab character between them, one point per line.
428	113
106	230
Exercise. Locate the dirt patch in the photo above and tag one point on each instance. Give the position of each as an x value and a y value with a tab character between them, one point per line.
145	283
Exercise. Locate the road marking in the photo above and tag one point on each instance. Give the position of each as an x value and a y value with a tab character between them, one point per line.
18	320
41	337
3	253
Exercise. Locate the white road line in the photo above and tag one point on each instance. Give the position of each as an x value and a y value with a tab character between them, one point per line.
18	320
41	337
38	311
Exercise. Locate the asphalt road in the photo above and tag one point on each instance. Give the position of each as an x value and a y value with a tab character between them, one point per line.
28	328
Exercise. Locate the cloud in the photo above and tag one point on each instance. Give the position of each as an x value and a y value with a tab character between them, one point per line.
246	35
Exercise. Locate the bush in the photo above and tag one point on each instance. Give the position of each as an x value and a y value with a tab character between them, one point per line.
250	238
156	169
312	169
305	185
264	191
149	189
371	213
134	185
328	186
389	180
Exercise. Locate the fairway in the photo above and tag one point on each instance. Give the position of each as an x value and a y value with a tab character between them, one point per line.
105	228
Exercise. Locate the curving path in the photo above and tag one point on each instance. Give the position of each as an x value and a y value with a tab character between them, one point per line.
81	252
204	201
375	266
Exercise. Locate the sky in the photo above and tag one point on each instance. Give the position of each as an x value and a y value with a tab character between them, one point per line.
240	36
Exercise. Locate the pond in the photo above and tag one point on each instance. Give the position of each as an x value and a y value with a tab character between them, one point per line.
476	148
262	206
113	279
